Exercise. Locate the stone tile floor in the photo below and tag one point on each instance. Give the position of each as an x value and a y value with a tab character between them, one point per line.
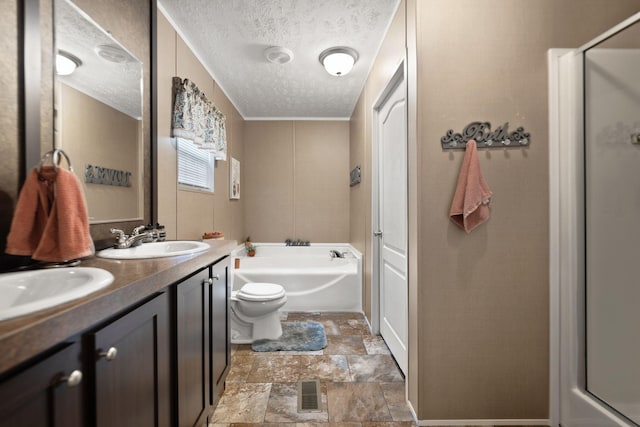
360	382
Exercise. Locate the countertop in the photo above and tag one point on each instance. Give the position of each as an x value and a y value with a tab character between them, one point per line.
24	337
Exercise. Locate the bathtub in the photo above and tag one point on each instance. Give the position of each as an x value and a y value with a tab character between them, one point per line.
313	281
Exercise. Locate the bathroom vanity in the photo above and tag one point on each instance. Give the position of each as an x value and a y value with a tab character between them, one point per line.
150	349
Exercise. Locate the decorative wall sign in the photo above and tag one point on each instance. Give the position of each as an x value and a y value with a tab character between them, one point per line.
234	180
483	135
355	176
105	176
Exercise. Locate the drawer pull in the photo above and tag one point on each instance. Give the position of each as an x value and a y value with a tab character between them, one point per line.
73	379
109	354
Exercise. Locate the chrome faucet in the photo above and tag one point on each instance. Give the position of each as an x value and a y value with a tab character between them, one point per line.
137	238
336	254
298	242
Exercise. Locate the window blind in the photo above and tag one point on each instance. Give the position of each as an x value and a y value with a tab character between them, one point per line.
195	166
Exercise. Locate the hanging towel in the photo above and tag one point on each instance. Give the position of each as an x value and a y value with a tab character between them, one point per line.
470	205
51	221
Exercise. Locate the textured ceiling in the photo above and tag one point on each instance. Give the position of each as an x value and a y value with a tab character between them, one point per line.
229	37
115	84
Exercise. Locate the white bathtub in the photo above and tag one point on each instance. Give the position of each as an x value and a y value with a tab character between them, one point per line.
313	281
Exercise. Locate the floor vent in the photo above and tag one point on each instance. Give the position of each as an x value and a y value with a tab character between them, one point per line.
309	396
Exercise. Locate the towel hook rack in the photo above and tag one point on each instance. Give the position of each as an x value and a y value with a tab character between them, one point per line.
486	138
54	156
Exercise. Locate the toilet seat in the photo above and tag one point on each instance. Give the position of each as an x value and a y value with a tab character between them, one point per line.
260	292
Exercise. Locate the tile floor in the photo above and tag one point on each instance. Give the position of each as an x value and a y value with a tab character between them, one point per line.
360	383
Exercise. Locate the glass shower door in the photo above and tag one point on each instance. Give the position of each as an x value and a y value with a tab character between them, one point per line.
612	221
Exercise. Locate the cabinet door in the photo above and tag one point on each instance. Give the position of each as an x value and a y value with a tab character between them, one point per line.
192	344
48	393
220	338
131	377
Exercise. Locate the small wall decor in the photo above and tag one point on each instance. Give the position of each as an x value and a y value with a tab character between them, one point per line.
234	180
355	176
486	138
105	176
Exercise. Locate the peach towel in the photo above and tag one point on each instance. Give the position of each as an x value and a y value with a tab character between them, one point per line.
470	205
51	221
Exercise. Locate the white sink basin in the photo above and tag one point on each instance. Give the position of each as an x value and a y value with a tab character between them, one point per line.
28	291
155	250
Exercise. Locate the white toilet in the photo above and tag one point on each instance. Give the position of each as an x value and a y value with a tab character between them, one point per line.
255	312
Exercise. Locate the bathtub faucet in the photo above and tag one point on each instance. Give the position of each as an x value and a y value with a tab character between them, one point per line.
298	242
336	254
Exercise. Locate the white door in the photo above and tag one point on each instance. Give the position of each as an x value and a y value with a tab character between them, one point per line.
391	143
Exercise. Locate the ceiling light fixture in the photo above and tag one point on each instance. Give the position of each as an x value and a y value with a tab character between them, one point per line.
66	63
338	61
278	55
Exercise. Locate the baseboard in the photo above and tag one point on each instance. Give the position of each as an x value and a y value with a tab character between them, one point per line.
460	423
413	412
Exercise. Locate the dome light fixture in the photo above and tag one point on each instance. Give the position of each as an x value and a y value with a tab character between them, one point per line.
278	55
66	63
338	61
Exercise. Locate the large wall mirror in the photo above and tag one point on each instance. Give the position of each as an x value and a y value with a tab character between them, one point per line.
612	201
98	119
102	113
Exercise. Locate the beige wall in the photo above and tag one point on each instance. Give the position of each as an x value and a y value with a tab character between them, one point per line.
360	196
479	307
483	298
187	214
296	180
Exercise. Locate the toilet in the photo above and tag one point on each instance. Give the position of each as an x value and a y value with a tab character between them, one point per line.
255	312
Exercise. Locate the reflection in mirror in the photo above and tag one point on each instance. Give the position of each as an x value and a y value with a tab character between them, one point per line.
612	161
98	114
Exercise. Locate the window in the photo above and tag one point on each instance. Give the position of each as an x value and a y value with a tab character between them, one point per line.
195	166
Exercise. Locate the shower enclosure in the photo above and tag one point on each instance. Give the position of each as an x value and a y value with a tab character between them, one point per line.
596	275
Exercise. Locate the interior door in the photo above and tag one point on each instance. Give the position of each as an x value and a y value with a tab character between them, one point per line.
391	131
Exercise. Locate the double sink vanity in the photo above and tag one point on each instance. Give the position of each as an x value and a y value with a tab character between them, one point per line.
145	342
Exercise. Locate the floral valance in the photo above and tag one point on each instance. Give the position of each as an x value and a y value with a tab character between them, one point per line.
196	119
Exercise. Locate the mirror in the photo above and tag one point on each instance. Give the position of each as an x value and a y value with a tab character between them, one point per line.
612	189
98	118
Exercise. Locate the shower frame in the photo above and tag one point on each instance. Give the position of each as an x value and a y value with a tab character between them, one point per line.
571	405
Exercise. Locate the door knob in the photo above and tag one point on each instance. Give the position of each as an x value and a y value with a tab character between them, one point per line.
109	354
73	379
377	233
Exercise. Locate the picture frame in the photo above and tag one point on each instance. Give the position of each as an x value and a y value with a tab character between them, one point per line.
234	180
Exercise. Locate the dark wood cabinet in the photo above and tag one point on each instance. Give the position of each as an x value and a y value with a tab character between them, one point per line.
160	363
220	330
116	375
48	393
192	330
202	343
131	368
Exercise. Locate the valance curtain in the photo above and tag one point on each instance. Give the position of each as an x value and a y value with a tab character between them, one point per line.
196	119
